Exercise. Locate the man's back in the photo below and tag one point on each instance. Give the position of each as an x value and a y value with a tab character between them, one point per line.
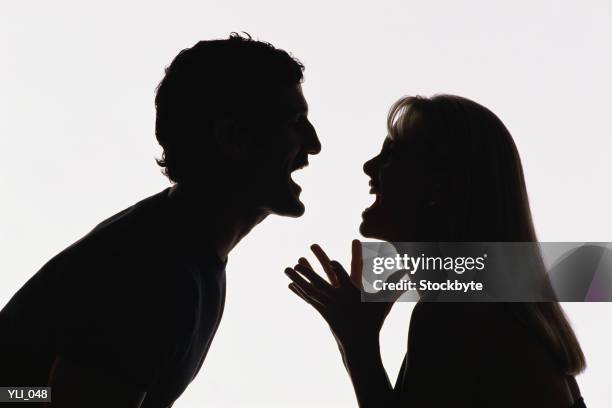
138	299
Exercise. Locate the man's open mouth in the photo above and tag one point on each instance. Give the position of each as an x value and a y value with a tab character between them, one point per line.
298	164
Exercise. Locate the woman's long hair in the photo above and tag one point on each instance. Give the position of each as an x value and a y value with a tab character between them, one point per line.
482	172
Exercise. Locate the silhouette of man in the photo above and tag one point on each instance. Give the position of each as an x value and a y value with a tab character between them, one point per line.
124	317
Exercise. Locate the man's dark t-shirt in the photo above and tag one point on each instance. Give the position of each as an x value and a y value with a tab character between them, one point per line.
139	298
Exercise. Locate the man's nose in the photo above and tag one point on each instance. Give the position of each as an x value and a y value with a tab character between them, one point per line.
313	144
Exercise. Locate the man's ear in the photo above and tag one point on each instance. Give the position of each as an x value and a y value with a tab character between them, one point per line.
231	138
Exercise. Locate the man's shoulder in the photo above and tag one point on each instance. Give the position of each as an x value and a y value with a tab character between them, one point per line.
139	221
129	251
125	236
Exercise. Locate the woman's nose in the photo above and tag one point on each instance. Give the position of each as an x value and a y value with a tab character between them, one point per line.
369	167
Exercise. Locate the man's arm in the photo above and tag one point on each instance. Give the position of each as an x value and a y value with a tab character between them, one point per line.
73	385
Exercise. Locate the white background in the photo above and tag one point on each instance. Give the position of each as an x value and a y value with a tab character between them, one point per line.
77	145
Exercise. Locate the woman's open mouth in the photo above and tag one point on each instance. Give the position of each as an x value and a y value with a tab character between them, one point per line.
374	190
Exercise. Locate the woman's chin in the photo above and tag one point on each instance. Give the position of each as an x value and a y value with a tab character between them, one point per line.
364	231
369	226
376	223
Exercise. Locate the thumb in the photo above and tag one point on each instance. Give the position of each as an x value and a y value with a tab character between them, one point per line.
356	263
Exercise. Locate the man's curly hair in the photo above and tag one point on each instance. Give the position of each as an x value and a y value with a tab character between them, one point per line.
213	80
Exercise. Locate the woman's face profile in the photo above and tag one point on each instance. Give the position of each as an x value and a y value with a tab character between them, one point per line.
402	181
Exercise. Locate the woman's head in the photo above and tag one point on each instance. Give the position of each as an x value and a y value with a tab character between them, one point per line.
448	171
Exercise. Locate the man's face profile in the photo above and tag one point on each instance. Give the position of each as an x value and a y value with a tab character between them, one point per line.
283	144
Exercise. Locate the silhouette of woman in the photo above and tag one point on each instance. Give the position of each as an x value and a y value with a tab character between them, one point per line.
448	171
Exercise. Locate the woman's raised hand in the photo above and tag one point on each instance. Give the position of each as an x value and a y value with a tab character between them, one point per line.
338	299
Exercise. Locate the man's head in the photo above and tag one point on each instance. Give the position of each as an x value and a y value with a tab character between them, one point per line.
232	121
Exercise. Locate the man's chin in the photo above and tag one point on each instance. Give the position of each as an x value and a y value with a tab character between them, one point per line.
291	208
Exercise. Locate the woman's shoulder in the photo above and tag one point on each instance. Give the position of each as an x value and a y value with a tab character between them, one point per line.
444	350
487	342
470	326
458	313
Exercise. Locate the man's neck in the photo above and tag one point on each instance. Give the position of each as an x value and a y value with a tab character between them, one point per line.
221	218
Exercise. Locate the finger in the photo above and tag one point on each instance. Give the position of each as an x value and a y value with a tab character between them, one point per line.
304	285
296	289
395	277
298	292
312	276
304	261
341	274
356	263
317	305
324	261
